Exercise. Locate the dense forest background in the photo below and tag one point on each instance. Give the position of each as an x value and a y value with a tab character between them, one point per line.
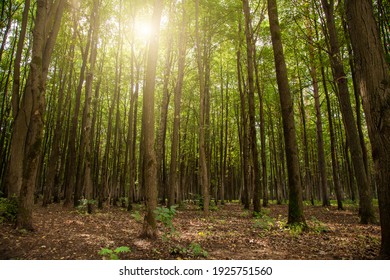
111	103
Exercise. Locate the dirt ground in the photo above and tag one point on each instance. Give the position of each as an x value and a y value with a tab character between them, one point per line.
228	233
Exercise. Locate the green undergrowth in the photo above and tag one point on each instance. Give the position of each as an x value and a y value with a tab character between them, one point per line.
165	216
8	210
317	226
114	254
262	220
193	250
86	206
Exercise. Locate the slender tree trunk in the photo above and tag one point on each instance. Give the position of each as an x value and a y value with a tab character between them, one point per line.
71	162
164	188
129	139
13	175
319	130
251	105
41	53
162	128
174	172
295	213
204	174
244	138
132	158
366	208
55	151
374	80
86	143
150	164
335	164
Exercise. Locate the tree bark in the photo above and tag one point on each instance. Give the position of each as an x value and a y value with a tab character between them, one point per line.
13	175
174	172
251	106
295	213
43	44
204	174
319	130
150	164
86	143
366	208
162	128
373	76
71	161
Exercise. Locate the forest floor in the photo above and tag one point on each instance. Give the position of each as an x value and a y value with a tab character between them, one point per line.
230	232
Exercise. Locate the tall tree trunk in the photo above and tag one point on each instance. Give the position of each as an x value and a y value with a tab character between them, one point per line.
295	213
251	106
335	164
374	80
117	145
204	174
55	151
243	132
86	143
366	208
150	164
174	168
319	130
71	161
43	44
13	175
129	140
162	128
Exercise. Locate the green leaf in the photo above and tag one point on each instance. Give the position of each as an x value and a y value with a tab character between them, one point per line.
105	251
122	249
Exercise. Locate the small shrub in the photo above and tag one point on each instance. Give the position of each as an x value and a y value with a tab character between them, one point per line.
194	250
318	226
199	201
197	250
262	220
296	228
165	216
86	206
137	216
113	254
8	210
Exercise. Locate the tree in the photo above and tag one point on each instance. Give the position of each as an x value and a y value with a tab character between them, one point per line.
373	76
204	174
295	210
43	44
366	208
251	105
13	176
150	164
71	161
174	178
86	151
319	130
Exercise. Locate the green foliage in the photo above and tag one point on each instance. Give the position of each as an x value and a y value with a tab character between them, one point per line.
85	206
296	229
165	216
113	254
199	201
262	220
137	216
318	226
194	250
8	210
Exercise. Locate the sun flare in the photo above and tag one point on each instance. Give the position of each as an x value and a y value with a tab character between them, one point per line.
144	30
